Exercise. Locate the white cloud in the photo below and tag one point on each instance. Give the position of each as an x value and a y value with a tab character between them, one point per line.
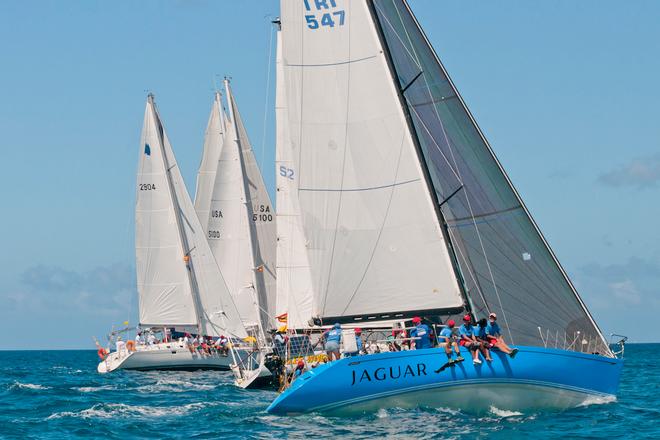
643	172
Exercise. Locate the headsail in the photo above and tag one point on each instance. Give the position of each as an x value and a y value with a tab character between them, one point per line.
177	274
507	265
375	246
213	141
294	282
258	215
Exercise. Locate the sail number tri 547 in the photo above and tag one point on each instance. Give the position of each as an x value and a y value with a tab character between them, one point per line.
328	14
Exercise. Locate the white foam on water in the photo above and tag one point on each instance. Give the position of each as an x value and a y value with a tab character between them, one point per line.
597	400
174	385
94	389
119	410
450	411
27	386
504	413
382	413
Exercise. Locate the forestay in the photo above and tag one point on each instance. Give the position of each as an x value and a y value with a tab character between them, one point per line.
374	243
179	282
507	265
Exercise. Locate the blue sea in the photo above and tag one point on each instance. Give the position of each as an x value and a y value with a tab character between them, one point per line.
58	394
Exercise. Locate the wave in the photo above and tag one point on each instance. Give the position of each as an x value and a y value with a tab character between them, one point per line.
115	410
94	389
597	400
174	385
504	413
27	386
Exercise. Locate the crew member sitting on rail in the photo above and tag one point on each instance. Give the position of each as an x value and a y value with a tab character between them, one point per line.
466	332
482	337
188	343
422	334
138	339
494	336
448	341
300	369
332	339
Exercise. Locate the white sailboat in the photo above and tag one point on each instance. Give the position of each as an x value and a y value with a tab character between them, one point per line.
235	209
391	204
180	286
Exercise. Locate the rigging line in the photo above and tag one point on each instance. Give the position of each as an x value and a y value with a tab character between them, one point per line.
380	230
270	61
343	171
467	198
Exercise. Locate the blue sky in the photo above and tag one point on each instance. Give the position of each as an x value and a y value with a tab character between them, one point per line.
567	93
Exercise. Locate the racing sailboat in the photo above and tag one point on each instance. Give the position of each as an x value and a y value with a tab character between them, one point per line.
181	288
400	208
235	210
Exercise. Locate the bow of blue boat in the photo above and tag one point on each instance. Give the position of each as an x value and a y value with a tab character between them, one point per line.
538	378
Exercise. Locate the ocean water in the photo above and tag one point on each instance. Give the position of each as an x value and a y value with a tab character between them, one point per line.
58	394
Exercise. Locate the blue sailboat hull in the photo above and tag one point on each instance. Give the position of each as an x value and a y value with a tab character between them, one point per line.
538	378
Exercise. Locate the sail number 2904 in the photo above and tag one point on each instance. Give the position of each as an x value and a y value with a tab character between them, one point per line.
147	186
328	15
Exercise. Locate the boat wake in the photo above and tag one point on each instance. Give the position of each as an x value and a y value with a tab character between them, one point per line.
121	410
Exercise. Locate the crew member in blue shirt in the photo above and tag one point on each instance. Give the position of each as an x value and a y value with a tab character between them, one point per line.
482	337
421	333
332	340
495	337
466	332
448	341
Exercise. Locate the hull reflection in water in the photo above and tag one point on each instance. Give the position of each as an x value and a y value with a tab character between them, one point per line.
536	379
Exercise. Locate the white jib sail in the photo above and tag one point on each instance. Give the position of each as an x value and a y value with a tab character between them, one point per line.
294	283
374	241
213	141
261	219
215	310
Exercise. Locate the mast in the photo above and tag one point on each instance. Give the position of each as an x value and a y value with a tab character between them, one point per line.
177	216
420	156
246	203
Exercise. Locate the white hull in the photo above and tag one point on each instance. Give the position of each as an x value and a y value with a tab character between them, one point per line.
172	356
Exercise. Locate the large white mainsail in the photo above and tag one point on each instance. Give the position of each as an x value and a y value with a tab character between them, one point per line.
374	242
213	141
294	282
179	282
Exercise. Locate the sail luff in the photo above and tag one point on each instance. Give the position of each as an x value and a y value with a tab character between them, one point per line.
508	180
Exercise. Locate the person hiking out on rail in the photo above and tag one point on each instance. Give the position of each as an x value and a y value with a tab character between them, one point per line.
494	335
466	332
447	340
422	334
